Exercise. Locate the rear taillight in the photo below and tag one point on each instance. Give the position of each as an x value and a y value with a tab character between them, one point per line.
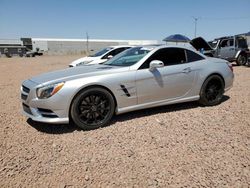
231	67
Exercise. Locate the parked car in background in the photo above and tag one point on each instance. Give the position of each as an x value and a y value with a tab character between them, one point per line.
12	50
101	56
138	78
31	53
233	48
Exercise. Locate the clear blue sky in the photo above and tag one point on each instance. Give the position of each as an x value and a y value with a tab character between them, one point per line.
122	19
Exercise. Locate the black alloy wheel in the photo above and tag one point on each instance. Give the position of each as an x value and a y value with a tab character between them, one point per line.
92	108
212	91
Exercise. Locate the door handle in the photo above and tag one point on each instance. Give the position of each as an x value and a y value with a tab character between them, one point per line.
186	70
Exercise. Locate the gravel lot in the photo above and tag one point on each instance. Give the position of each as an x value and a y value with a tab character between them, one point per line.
182	145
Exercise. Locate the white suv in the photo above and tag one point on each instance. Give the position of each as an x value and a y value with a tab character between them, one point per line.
101	56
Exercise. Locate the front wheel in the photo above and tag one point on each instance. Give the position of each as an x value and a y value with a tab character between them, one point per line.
241	60
92	108
212	91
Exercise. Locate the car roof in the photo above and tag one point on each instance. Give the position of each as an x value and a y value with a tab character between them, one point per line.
121	46
182	46
159	46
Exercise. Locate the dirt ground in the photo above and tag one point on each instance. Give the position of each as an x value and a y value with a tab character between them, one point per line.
182	145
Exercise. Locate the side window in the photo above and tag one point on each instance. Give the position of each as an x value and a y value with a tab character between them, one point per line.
108	54
118	50
169	56
231	42
192	56
114	52
241	43
227	43
224	43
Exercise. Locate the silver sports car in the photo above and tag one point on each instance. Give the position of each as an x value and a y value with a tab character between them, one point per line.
138	78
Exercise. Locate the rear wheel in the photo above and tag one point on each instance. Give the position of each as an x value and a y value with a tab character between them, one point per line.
92	108
212	91
241	60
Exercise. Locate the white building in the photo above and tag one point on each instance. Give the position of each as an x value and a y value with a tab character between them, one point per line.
77	46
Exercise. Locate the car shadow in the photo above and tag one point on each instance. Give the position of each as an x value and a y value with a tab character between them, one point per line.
159	110
68	128
53	128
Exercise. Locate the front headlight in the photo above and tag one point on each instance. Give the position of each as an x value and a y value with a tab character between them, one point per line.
49	90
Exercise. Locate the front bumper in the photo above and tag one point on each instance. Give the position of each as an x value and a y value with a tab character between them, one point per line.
51	110
36	116
229	79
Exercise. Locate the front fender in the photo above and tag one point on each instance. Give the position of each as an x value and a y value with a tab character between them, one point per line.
112	82
237	54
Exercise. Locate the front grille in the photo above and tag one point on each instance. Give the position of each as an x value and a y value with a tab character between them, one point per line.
25	89
26	108
24	97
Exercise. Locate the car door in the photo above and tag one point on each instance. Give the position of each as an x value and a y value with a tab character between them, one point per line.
227	49
172	81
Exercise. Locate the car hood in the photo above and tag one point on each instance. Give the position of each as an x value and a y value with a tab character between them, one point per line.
83	59
76	72
199	43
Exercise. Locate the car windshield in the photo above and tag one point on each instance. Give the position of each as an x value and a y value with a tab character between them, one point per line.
103	51
128	57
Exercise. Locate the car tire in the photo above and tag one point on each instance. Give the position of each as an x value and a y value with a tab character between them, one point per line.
8	55
212	91
92	108
241	60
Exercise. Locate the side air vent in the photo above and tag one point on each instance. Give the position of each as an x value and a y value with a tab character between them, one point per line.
124	89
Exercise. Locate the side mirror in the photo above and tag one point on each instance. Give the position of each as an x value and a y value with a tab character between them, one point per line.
110	56
155	64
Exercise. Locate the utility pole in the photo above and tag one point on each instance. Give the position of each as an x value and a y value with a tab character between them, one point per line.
195	25
87	43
